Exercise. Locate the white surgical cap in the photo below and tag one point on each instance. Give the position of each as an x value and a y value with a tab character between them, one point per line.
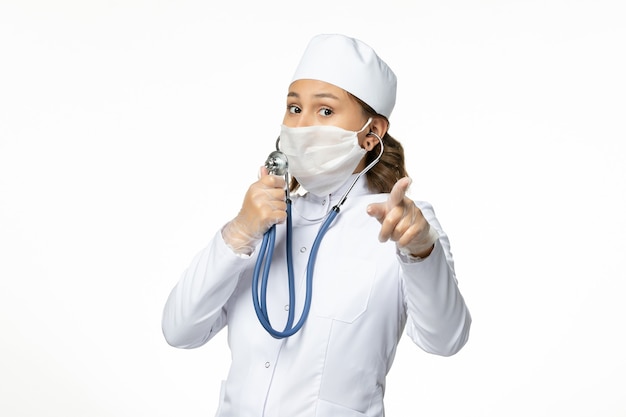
351	65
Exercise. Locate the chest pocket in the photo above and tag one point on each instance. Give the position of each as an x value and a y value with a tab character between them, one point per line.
342	291
325	409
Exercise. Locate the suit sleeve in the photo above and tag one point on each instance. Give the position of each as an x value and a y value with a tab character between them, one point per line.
438	319
196	307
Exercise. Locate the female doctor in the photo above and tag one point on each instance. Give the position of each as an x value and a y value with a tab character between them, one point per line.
383	265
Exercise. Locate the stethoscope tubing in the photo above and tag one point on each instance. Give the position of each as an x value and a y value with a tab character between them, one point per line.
265	257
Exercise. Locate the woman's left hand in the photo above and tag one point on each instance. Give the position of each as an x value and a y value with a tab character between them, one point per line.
402	222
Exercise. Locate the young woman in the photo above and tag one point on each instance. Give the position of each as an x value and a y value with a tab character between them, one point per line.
383	264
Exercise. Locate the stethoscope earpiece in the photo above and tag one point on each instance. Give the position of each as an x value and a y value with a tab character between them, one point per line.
372	133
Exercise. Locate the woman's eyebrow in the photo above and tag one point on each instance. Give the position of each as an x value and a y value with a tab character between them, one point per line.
326	95
318	95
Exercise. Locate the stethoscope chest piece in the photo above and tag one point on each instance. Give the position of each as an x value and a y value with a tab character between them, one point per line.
276	163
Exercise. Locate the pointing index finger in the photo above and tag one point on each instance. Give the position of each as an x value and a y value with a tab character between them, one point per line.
398	192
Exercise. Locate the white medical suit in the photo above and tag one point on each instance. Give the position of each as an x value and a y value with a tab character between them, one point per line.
364	295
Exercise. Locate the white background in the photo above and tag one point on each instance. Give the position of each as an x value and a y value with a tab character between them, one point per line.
130	130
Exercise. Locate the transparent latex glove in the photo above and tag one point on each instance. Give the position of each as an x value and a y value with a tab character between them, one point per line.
263	206
402	222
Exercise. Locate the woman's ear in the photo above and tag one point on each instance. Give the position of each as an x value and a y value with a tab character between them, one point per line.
379	126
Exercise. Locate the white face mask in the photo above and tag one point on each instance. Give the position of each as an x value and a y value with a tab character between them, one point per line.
321	158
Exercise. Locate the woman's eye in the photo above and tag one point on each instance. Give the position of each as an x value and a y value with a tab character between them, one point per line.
293	109
326	112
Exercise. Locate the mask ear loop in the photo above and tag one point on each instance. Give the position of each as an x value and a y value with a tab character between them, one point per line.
367	168
365	126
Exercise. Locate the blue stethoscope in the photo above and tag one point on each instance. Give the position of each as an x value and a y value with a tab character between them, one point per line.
277	164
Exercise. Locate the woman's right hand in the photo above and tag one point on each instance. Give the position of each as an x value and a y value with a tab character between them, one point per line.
263	206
